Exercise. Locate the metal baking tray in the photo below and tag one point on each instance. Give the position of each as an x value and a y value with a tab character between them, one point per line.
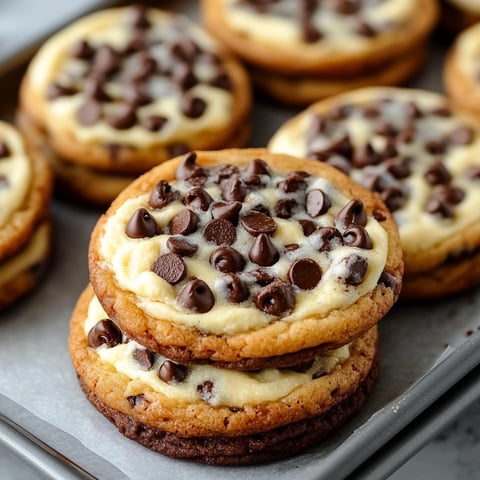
46	420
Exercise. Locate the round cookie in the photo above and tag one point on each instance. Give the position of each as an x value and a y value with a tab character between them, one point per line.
422	157
212	415
333	37
122	90
245	259
25	230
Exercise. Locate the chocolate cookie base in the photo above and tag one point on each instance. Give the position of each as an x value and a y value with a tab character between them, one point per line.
262	447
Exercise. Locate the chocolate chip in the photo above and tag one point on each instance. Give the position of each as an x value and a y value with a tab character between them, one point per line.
178	148
285	207
181	247
171	372
441	111
4	150
227	259
237	291
291	247
385	129
263	251
363	28
228	211
393	197
220	231
365	155
370	111
145	357
325	239
82	50
305	273
449	194
198	198
346	7
233	190
170	267
461	136
136	43
261	276
318	124
435	146
162	194
256	223
399	167
137	16
355	269
196	296
222	80
353	213
412	110
340	163
317	203
135	400
293	182
89	113
189	170
389	280
184	49
193	107
255	170
438	206
276	298
341	146
223	172
104	332
390	150
56	90
153	123
184	222
406	135
357	236
184	77
142	225
94	90
310	33
105	61
437	174
308	227
379	216
135	96
205	390
123	119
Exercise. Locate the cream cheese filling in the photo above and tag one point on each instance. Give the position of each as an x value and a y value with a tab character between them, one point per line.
231	388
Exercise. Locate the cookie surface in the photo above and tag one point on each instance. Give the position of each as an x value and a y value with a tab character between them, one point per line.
240	256
334	37
416	152
214	415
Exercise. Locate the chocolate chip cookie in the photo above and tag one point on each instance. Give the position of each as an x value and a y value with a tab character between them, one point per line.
214	415
25	229
421	157
245	259
122	90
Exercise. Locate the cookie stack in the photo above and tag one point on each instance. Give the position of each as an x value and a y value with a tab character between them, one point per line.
303	51
122	90
231	317
421	156
25	227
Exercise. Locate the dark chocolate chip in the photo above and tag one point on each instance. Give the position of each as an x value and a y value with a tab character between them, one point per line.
56	90
341	146
153	123
449	193
379	216
340	163
123	119
305	273
227	259
105	61
137	16
412	110
171	372
189	170
228	211
82	50
385	129
135	400
136	43
435	146
261	276
364	156
461	136
353	213
363	28
437	206
95	90
224	172
356	269
399	167
263	252
262	209
237	291
135	96
325	239
206	391
318	124
390	150
256	223
184	77
441	111
145	66
254	171
370	111
222	80
89	113
293	182
357	236
285	207
277	298
181	247
393	197
437	174
142	225
198	198
162	194
104	332
406	135
145	357
340	112
233	190
389	280
220	231
308	227
346	7
184	49
196	296
317	203
291	247
193	107
170	267
184	222
4	150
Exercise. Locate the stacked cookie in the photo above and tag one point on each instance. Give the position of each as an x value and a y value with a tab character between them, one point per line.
25	227
421	156
235	298
302	51
122	90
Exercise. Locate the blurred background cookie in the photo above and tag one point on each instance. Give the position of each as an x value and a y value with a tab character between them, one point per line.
122	90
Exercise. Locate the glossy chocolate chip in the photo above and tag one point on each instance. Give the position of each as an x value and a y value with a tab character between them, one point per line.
224	172
355	269
293	182
124	118
184	222
257	167
193	107
171	372
189	170
82	50
256	223
198	198
308	227
145	357
206	391
104	332
379	216
142	225
277	298
437	174
89	113
353	213
227	210
261	276
137	16
170	267
56	90
233	190
227	259
220	231
162	195
365	155
285	207
305	273
317	203
181	247
393	197
263	252
325	239
461	136
196	296
153	123
357	236
4	150
236	290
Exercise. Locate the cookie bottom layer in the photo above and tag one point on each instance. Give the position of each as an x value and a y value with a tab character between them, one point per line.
263	447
